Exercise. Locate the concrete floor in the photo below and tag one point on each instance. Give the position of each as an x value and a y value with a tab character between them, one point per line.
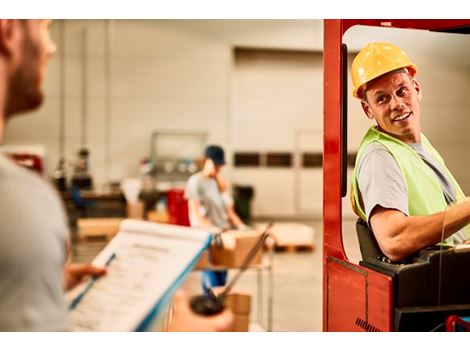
297	282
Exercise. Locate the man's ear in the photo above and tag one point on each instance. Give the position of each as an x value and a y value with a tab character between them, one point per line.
417	87
366	109
8	36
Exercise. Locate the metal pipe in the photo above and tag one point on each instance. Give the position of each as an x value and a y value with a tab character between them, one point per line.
107	101
62	92
84	84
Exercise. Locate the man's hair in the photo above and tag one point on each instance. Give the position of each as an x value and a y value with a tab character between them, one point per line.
362	92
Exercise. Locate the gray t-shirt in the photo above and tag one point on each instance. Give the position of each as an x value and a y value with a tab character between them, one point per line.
213	203
381	182
33	234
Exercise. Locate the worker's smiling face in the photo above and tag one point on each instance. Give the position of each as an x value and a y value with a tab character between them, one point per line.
393	101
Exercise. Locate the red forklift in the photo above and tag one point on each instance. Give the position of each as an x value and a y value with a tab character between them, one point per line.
376	294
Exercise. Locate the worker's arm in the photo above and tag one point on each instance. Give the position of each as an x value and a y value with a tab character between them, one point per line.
185	320
194	208
222	183
399	235
208	170
234	218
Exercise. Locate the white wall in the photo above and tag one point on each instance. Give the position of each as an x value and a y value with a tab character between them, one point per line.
277	107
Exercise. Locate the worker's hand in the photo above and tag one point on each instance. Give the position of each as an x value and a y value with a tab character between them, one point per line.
243	227
222	183
75	272
185	319
209	168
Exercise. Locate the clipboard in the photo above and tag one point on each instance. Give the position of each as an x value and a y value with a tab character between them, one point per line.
146	262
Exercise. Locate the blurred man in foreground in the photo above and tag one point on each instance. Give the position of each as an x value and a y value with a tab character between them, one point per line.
33	227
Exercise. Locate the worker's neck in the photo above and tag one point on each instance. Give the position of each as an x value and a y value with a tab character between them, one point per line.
410	138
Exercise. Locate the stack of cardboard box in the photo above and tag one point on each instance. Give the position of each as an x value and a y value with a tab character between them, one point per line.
239	302
232	253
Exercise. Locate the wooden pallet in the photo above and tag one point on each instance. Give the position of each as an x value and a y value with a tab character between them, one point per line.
294	248
98	228
291	236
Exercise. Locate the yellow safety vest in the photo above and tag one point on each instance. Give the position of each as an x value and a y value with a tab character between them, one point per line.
425	196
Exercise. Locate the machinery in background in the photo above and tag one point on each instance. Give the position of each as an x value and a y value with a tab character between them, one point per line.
148	193
81	178
60	176
378	295
176	156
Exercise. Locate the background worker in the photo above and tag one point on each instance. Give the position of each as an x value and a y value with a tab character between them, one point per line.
401	185
33	226
210	204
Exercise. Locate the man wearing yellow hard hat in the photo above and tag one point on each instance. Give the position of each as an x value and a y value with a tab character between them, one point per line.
400	183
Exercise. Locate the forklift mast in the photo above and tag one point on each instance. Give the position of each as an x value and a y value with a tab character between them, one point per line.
355	297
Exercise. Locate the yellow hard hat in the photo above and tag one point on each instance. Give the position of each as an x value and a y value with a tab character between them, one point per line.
377	59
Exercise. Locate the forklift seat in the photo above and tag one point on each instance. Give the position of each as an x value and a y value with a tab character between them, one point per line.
367	242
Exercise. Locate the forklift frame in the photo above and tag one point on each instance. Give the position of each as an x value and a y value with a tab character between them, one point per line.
355	298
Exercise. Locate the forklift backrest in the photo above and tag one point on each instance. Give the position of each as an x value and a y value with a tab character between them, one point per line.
367	242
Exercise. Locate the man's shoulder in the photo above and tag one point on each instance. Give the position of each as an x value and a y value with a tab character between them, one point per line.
375	151
20	184
374	147
377	160
194	178
11	173
195	181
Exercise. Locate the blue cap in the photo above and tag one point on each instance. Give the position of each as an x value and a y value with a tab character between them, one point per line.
216	154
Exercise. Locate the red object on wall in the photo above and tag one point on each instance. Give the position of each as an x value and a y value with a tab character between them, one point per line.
177	207
30	161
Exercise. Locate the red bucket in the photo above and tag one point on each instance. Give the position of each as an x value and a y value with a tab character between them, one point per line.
177	207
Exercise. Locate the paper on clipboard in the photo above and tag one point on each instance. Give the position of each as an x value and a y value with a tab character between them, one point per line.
145	263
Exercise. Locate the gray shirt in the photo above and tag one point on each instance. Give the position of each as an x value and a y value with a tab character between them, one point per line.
32	252
213	203
381	182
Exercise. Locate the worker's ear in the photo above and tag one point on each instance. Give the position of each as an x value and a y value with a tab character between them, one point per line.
9	36
417	87
366	109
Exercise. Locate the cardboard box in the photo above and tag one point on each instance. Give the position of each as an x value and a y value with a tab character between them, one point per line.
239	302
203	262
158	216
241	322
236	246
96	227
135	210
